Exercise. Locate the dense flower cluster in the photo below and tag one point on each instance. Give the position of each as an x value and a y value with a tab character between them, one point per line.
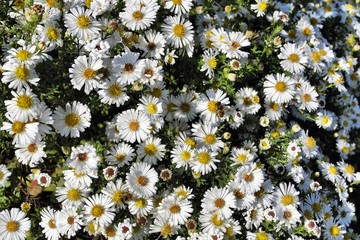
181	119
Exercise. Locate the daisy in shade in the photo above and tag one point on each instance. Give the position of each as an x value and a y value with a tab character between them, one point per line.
73	120
49	223
83	158
18	75
31	153
152	43
79	178
111	232
141	179
23	106
220	200
234	41
177	210
72	194
347	170
333	230
133	125
24	132
84	72
113	92
179	7
99	208
4	175
81	24
250	177
204	161
69	221
307	97
210	103
293	58
178	31
210	62
13	224
118	193
286	194
138	17
121	154
50	33
151	150
279	88
128	67
184	106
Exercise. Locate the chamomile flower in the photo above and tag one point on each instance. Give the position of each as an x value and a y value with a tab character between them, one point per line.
72	194
129	67
330	171
204	161
81	24
234	41
13	224
23	106
25	55
140	206
31	153
164	227
73	120
326	120
83	158
18	75
212	222
309	147
184	107
293	58
141	179
138	17
279	88
286	194
250	177
120	155
220	200
247	100
49	223
177	31
50	33
152	44
113	92
241	156
307	97
118	193
24	132
151	150
205	135
179	7
260	7
259	234
181	156
99	208
347	169
4	175
210	62
133	125
69	221
151	106
177	210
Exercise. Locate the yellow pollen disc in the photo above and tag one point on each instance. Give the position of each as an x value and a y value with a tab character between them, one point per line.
185	107
83	22
261	236
117	196
210	139
138	15
316	207
185	155
316	57
308	214
110	231
335	231
23	55
327	8
354	77
97	211
177	2
262	6
120	157
174	209
134	125
310	142
204	157
306	97
140	202
209	43
307	31
274	106
166	230
142	180
115	90
74	194
260	193
313	21
349	169
151	108
52	34
72	120
190	142
212	62
24	102
91	227
12	226
294	58
89	73
18	127
332	170
322	52
32	148
280	86
219	203
241	158
287	199
22	73
88	3
216	220
51	3
325	120
150	149
212	106
179	30
52	224
70	220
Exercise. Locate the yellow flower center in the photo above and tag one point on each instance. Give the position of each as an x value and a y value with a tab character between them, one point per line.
294	58
24	102
306	97
216	220
325	120
142	180
262	6
140	202
51	3
179	30
349	169
175	208
310	142
185	155
287	199
316	57
212	62
72	119
22	73
210	139
219	203
166	230
88	3
241	158
332	170
52	34
335	231
83	22
280	86
156	92
235	45
117	196
151	108
190	142
204	157
18	127
316	207
23	55
150	149
177	2
138	15
97	211
12	226
134	125
182	193
212	106
115	90
307	31
89	73
74	194
52	224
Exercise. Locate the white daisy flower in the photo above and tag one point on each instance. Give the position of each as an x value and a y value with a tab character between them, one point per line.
138	17
309	147
72	194
69	221
184	106
292	58
24	132
204	161
289	216
326	120
260	234
32	153
329	171
133	125
26	54
112	92
177	31
285	195
164	227
128	67
250	178
179	6
44	116
273	110
152	43
23	106
50	33
151	72
99	208
43	179
333	230
177	210
247	100
241	156
151	106
234	41
4	175
181	156
210	62
221	200
120	155
13	224
141	179
279	89
81	24
307	97
126	229
260	7
79	178
347	170
84	72
205	135
140	206
73	120
83	158
212	222
254	216
18	75
118	193
151	150
49	223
